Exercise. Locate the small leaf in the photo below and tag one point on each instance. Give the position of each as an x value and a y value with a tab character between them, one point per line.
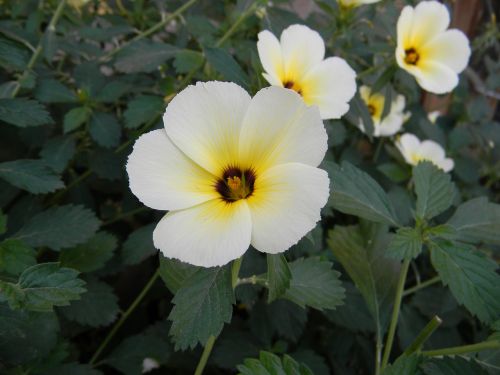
226	65
53	91
144	56
105	129
13	56
31	175
434	190
278	276
57	152
470	276
269	363
139	246
355	192
142	109
202	305
406	365
75	118
59	227
314	283
23	112
91	255
15	256
405	244
452	366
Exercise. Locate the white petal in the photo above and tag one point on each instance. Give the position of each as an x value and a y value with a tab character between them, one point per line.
435	77
280	128
391	124
210	234
286	205
404	26
408	145
446	164
204	122
330	85
450	48
302	48
270	55
430	18
162	177
430	150
272	80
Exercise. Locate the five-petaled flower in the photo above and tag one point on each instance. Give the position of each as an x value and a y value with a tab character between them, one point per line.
233	171
390	124
427	50
415	151
296	62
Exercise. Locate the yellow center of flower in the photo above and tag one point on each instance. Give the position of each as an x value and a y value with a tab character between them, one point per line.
292	85
235	184
371	109
411	56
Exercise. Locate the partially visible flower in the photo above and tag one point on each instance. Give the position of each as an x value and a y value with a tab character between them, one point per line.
433	116
355	3
415	151
233	171
390	124
149	364
427	50
296	62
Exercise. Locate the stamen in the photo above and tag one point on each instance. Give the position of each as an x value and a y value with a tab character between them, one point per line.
235	184
292	86
411	56
371	109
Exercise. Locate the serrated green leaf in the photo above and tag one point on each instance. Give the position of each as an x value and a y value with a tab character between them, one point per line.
187	60
144	56
314	283
452	366
23	112
202	305
113	91
434	190
405	244
53	91
139	246
278	276
15	257
59	227
43	286
57	152
103	34
477	220
404	364
355	192
142	109
97	307
105	129
470	276
31	175
270	364
226	65
13	55
91	255
75	118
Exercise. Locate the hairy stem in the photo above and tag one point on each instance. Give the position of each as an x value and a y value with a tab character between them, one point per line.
485	345
424	335
421	285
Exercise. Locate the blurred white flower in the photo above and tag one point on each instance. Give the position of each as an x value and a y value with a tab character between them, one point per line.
390	124
415	151
149	364
433	116
355	3
427	50
296	62
233	171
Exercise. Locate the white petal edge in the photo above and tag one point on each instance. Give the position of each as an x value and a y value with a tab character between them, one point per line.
430	18
450	48
408	144
269	49
431	150
208	235
435	77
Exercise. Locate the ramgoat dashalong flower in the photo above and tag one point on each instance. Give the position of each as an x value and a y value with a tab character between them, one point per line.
427	50
296	62
355	3
415	151
390	124
233	171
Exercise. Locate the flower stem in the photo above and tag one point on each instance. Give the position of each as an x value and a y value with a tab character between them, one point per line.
485	345
243	16
421	285
124	317
424	335
395	313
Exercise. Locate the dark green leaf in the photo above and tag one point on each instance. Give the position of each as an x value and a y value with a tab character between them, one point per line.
105	129
52	91
23	112
394	172
142	109
75	118
107	164
187	60
452	366
57	152
144	56
384	78
406	365
405	244
3	222
226	65
174	272
15	257
278	276
91	255
13	55
31	175
139	246
270	364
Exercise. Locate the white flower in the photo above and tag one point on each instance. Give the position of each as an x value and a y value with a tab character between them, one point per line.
427	50
355	3
433	116
390	124
233	171
296	62
415	151
149	364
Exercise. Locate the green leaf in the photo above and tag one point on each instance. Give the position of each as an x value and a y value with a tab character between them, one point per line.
97	307
53	91
75	118
43	286
278	276
434	190
384	78
394	172
355	192
470	276
15	256
105	129
113	91
142	109
227	66
174	272
3	222
107	164
23	112
91	255
144	56
188	60
57	152
452	366
406	365
12	55
270	364
314	283
31	175
74	369
59	227
477	220
405	244
202	305
139	246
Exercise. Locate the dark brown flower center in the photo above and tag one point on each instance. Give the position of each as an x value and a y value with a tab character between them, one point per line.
292	86
235	184
411	56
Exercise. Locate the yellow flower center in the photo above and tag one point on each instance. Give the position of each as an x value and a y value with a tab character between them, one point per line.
371	109
293	86
411	56
235	184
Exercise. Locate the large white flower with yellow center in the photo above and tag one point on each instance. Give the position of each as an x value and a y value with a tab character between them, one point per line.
296	62
233	171
427	50
390	124
415	151
355	3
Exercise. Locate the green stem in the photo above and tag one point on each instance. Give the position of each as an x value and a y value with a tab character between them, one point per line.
378	149
254	279
395	313
38	50
124	317
422	285
243	16
378	353
235	271
424	335
485	345
204	356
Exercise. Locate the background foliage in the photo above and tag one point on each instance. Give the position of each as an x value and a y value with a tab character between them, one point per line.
82	289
